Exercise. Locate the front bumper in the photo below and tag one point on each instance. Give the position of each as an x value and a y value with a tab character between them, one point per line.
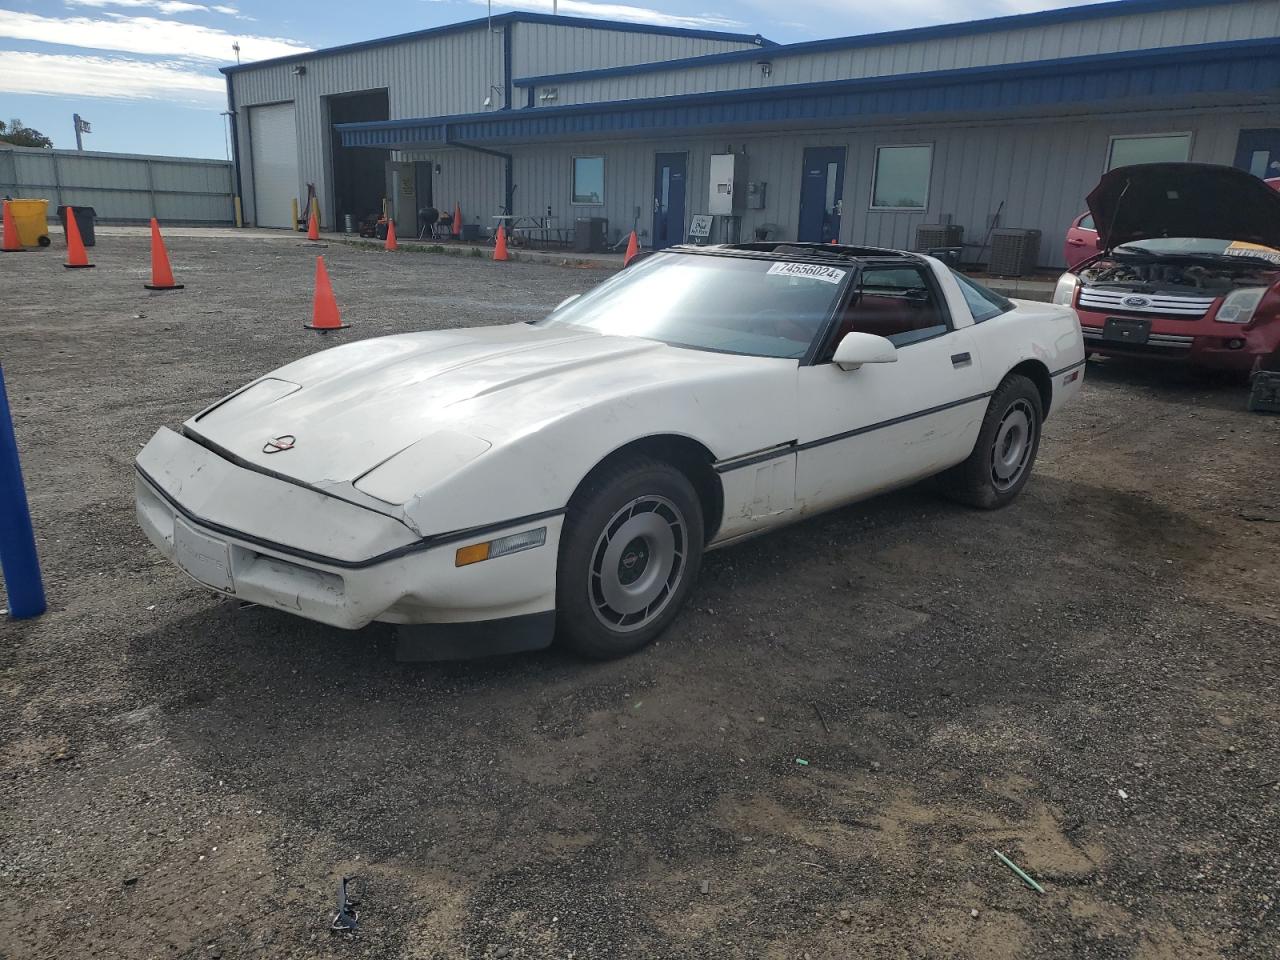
281	545
1205	343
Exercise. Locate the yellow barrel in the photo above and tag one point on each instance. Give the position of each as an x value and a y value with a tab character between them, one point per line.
31	217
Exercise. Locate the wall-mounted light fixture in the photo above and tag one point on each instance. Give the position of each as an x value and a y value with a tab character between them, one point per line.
300	70
493	88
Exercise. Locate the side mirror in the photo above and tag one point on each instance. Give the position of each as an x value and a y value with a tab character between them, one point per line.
566	301
859	348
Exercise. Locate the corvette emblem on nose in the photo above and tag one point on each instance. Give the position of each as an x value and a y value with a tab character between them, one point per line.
279	444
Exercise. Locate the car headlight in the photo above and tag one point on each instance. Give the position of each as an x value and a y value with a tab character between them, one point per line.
1065	291
1240	304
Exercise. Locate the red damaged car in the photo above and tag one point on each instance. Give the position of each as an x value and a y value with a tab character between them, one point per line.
1188	268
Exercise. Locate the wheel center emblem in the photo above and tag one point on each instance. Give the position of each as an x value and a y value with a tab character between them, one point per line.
634	560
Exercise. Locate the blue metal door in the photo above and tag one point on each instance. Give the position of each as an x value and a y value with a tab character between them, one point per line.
821	194
1258	151
668	199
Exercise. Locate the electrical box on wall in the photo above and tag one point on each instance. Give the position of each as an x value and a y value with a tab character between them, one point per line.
755	195
727	171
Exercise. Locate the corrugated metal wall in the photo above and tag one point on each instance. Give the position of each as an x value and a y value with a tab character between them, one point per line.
542	48
1040	169
121	187
433	76
1252	19
429	77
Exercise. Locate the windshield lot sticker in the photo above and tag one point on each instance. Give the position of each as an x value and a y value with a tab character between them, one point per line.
811	271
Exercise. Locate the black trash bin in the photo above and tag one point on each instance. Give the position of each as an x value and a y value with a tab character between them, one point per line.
85	218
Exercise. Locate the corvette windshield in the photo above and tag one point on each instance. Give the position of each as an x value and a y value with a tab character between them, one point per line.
762	308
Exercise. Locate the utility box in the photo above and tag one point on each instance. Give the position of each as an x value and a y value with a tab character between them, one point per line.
727	173
1014	253
755	194
929	235
589	234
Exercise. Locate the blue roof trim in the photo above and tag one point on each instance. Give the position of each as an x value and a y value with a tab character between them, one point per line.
1229	66
503	19
1115	8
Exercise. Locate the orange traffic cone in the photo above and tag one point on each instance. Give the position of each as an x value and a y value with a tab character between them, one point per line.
633	247
391	236
11	242
500	245
77	259
457	220
161	272
313	226
324	307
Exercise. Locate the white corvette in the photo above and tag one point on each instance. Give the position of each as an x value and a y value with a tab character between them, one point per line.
494	486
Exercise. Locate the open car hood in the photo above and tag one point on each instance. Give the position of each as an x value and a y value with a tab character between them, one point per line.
1152	200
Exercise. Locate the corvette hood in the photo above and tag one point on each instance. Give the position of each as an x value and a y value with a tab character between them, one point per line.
1151	200
330	418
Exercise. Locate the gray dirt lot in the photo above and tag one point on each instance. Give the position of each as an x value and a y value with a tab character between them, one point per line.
183	778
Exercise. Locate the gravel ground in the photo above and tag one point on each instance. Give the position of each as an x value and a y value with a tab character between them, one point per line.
1086	681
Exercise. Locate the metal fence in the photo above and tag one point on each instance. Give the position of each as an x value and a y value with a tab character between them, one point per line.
121	187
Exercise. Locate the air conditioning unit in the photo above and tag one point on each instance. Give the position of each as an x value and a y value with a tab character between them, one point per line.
1014	253
931	235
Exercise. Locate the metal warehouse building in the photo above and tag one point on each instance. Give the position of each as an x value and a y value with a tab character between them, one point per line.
1001	123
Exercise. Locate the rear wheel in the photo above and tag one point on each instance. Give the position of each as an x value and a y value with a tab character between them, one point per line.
630	552
1001	462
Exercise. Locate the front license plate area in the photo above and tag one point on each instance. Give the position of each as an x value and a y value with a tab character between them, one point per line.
205	558
1124	330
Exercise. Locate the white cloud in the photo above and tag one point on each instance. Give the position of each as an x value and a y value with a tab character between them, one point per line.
112	78
618	11
146	35
163	6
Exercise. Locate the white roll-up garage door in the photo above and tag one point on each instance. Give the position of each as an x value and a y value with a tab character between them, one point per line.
274	137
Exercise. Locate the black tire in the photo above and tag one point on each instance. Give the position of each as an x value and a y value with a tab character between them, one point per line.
44	241
633	535
995	472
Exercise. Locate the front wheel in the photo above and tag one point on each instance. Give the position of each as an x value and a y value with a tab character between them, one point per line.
1001	462
629	555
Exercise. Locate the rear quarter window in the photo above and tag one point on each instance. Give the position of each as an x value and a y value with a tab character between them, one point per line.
983	303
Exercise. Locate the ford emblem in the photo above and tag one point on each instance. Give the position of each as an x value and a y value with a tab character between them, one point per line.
1137	302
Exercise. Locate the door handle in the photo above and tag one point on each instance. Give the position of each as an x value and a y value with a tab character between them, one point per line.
1076	243
961	359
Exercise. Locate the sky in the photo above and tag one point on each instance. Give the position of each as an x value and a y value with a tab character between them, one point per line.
144	73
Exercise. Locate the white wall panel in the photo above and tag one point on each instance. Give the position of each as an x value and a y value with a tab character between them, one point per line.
1040	169
1245	20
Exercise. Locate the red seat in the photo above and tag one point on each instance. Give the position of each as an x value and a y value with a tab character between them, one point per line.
885	315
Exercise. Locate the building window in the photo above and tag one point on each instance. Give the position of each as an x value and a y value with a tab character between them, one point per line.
901	180
1150	148
588	179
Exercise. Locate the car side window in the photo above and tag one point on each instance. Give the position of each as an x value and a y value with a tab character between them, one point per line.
899	303
1086	222
983	303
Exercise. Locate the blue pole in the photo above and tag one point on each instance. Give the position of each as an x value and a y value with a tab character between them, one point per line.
18	557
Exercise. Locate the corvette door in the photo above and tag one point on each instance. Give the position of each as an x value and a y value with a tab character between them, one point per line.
885	424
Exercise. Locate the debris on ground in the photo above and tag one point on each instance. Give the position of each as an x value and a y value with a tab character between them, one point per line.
1026	878
347	918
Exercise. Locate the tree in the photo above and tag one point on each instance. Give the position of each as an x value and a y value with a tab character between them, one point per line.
14	132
